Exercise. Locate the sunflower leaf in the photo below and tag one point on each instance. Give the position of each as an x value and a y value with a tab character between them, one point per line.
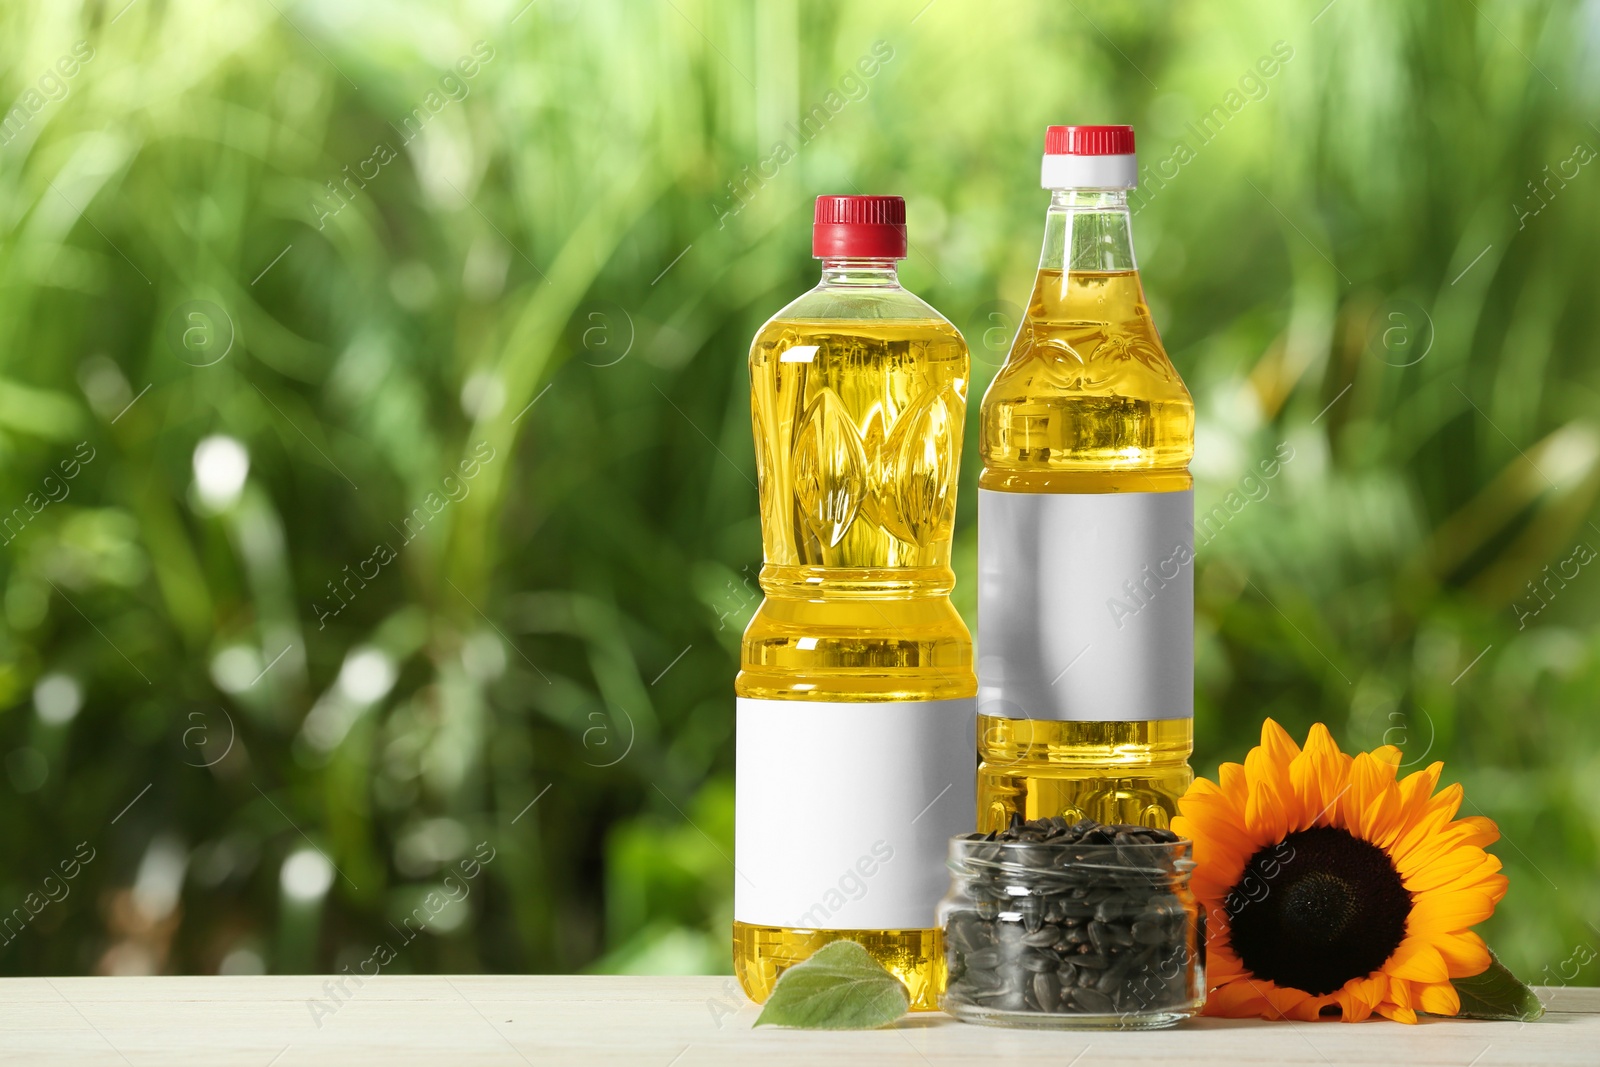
1496	994
841	987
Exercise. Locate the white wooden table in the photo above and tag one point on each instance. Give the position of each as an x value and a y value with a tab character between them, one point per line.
667	1022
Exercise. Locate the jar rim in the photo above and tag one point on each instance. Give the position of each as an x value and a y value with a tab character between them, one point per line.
967	856
1142	847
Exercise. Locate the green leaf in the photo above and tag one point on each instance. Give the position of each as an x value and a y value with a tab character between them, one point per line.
841	987
1496	994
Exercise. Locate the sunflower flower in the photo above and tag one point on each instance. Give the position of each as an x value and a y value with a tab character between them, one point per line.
1332	889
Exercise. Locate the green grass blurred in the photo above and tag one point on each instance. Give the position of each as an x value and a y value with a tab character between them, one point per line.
306	229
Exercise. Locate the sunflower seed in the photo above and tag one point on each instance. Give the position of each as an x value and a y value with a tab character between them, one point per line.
1047	990
1108	910
984	959
1090	1000
1043	937
1037	961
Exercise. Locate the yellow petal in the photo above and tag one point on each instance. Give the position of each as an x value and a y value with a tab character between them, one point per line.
1212	820
1309	1010
1442	843
1378	821
1448	913
1390	756
1464	953
1487	833
1232	782
1417	961
1415	791
1423	838
1276	740
1440	998
1370	778
1271	806
1266	813
1448	799
1453	865
1497	885
1484	878
1221	965
1285	1001
1211	891
1318	775
1417	788
1236	1000
1353	1009
1221	844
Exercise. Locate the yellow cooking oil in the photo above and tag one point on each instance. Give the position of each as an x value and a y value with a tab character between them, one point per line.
858	396
1086	403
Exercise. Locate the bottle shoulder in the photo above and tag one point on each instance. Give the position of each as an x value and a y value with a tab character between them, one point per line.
1087	387
858	304
1089	336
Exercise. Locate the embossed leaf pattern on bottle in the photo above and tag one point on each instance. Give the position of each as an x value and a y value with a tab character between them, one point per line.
1083	356
903	483
1070	362
872	445
917	483
830	469
1120	344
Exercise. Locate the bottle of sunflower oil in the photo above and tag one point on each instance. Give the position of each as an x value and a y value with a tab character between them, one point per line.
856	713
1086	525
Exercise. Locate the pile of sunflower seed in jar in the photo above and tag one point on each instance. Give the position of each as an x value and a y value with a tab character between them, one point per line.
1090	922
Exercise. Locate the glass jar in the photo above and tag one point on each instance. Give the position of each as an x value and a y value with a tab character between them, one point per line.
1072	936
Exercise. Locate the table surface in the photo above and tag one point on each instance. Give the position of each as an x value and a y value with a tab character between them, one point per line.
295	1021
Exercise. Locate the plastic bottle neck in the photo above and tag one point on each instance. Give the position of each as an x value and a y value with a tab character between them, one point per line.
1088	229
853	273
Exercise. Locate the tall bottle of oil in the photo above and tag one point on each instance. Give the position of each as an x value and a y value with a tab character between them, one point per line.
1086	525
855	722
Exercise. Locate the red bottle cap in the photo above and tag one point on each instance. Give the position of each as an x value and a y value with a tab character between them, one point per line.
859	227
1088	141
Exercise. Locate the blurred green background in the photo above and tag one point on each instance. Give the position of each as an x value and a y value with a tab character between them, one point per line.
376	460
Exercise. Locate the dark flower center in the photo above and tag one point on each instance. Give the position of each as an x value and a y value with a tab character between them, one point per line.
1317	909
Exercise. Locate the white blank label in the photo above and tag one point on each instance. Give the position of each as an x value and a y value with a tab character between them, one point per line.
845	810
1086	605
